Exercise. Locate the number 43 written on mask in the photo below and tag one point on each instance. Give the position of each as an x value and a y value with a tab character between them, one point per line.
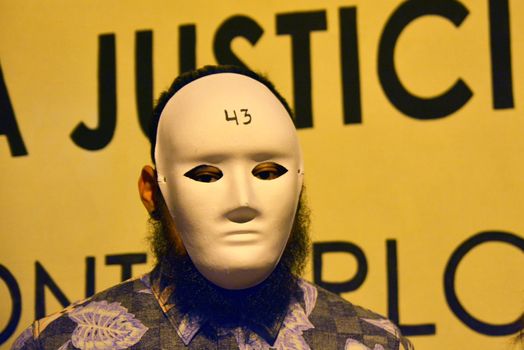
246	117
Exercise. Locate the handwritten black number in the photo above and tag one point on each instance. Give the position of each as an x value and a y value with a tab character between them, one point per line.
232	118
246	116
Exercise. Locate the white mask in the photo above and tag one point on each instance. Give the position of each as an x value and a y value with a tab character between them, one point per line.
231	186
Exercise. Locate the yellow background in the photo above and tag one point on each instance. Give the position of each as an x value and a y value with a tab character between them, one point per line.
428	184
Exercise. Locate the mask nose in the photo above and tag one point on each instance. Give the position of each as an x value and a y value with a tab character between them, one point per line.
241	197
242	215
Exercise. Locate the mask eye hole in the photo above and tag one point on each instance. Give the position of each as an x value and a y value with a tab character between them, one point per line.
268	171
204	173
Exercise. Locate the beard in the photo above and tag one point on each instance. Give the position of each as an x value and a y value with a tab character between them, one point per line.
264	304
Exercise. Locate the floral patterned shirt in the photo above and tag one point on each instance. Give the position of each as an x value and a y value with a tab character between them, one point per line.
137	314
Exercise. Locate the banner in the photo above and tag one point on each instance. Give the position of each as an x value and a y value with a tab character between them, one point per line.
409	115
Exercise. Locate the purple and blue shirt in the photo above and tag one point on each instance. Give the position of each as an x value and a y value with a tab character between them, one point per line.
139	314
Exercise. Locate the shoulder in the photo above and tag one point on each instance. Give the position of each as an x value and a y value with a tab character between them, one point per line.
123	303
354	325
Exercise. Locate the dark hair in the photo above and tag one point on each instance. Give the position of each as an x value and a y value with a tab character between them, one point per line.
188	77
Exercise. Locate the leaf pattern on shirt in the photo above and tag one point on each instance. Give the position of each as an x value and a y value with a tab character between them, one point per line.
163	295
310	294
405	344
23	338
188	327
252	342
65	345
146	281
291	340
289	337
295	323
352	344
42	324
104	326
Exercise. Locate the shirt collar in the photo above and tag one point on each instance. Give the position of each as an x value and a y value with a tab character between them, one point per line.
188	325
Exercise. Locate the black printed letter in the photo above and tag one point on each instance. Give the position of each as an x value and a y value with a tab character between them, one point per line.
90	276
233	27
409	104
43	279
8	125
350	65
144	77
95	139
126	261
16	300
339	247
500	44
186	48
299	25
393	313
449	283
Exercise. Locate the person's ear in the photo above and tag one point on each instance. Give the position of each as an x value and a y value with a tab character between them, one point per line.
147	188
